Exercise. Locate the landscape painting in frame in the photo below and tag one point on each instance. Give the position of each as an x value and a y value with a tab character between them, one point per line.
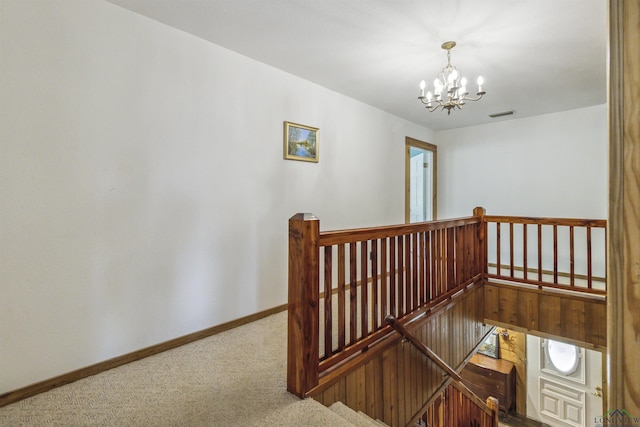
300	142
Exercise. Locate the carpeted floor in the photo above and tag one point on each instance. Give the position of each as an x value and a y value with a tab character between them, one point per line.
236	378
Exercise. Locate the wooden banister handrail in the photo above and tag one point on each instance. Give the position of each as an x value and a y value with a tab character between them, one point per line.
391	320
336	237
424	349
576	222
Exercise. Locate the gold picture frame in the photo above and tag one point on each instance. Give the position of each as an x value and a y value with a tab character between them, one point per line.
301	142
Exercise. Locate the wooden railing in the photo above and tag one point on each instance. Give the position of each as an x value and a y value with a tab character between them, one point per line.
559	253
337	311
462	406
343	283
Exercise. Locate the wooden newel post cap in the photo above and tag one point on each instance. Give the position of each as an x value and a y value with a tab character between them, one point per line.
300	216
479	211
492	403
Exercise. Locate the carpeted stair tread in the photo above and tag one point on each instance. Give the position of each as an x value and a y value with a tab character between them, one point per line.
378	423
359	419
306	413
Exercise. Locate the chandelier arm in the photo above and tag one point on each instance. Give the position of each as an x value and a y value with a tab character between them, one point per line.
433	104
480	95
429	105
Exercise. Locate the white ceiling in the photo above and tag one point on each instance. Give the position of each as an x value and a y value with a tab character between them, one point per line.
536	56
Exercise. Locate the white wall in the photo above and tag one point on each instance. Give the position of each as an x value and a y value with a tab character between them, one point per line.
144	194
553	165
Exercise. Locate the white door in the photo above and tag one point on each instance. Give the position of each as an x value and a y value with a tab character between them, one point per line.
420	186
564	383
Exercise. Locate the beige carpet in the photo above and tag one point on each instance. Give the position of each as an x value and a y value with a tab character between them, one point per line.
236	378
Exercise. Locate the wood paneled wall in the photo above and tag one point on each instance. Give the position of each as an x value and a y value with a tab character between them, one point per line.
513	347
396	382
580	319
623	269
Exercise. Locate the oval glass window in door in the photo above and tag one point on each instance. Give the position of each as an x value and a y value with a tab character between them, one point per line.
564	357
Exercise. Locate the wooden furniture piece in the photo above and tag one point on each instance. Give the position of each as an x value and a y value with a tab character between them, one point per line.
487	376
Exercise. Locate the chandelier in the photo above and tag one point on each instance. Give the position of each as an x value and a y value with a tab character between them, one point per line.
449	88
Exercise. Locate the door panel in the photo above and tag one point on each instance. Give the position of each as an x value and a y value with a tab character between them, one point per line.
420	181
418	190
564	383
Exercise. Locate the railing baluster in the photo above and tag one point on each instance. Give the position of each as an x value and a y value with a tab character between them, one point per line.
374	283
589	260
353	293
384	303
437	271
401	267
451	250
465	255
441	270
414	272
434	265
341	296
364	287
571	257
540	252
443	260
428	267
459	253
498	250
474	265
408	274
555	253
328	299
524	251
392	276
421	269
511	249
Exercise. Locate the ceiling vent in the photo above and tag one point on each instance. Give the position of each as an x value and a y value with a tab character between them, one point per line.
504	113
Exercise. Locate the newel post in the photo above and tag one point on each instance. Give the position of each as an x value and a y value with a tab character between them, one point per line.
481	247
304	313
492	404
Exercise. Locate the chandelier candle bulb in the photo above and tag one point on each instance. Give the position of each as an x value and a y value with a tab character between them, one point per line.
449	87
437	86
480	83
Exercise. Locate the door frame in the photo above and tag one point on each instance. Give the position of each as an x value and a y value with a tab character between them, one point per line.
412	142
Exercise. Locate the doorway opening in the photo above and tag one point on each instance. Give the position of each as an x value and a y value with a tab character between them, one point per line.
420	181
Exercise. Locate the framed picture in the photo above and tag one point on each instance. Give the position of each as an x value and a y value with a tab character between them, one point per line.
490	346
300	142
